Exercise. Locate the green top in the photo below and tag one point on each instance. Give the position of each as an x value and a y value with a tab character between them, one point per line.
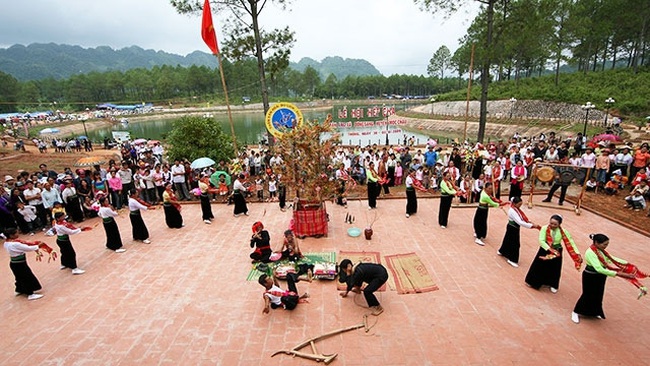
370	176
557	239
486	199
446	189
592	260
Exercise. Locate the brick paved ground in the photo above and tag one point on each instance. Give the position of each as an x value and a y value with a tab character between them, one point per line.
184	300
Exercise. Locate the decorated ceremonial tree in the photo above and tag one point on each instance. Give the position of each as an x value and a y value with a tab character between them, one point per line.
307	169
308	172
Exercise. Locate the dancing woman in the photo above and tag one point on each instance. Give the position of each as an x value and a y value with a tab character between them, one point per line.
172	208
481	215
239	189
601	265
138	228
411	199
511	241
63	231
546	268
373	186
26	282
206	190
447	193
113	238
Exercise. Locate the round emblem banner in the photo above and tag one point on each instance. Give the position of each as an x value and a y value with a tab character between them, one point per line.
282	117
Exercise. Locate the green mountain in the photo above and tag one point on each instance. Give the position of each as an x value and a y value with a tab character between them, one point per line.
39	61
338	66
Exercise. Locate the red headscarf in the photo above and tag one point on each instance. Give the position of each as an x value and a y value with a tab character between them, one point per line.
257	225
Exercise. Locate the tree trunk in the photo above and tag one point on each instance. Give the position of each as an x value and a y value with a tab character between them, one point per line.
260	63
615	53
485	72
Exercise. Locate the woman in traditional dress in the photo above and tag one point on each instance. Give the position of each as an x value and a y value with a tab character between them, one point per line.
411	199
71	200
172	208
373	186
261	241
601	265
63	231
546	268
26	282
518	175
481	215
511	241
206	190
238	195
113	238
138	228
447	194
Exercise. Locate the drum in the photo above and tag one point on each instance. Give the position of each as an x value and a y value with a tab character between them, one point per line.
545	174
580	174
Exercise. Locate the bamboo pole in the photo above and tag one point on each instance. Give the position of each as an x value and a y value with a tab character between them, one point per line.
225	91
469	88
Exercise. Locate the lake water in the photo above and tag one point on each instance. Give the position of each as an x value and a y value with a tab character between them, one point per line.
250	129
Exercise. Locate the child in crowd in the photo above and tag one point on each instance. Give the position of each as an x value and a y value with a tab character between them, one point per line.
426	178
223	188
58	207
28	212
636	199
399	172
419	173
259	188
591	184
611	187
273	188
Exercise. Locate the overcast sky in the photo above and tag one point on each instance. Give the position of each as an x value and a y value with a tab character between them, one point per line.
394	35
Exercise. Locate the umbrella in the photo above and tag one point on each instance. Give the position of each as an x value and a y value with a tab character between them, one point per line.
82	137
202	163
140	141
152	142
607	137
49	130
90	161
214	178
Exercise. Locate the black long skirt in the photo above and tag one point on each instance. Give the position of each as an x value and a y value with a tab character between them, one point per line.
511	243
138	227
240	203
68	255
411	202
206	209
173	217
26	282
590	302
515	191
480	222
545	272
113	238
373	190
74	209
445	207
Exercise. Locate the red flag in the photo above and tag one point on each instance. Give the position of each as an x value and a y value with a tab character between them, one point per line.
207	29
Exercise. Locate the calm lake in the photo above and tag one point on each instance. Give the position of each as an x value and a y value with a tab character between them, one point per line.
250	129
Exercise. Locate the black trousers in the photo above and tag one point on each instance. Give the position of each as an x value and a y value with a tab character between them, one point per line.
373	190
555	188
445	207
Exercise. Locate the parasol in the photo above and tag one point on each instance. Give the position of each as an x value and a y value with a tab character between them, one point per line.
82	137
45	131
90	161
140	141
152	142
214	178
607	137
202	163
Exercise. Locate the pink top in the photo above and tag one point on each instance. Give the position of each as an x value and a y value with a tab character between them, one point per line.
115	183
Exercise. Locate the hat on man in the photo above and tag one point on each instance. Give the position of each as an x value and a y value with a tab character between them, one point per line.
343	275
8	178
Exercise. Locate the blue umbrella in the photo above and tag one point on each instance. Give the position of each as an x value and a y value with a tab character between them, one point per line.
82	137
201	163
49	130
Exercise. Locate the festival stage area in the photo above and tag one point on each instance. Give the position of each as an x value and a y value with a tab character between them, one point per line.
184	299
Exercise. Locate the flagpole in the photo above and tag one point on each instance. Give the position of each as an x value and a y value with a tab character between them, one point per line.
225	91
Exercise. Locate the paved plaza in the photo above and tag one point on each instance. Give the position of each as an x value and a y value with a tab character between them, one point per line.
184	299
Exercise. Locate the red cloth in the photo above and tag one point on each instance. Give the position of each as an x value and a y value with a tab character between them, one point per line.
207	29
310	221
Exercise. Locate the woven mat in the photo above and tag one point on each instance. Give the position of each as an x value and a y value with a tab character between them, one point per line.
410	274
315	257
356	257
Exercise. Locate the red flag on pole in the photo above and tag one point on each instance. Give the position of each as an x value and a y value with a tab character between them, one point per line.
207	29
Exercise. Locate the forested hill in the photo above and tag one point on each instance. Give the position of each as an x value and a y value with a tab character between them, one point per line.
338	66
39	61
